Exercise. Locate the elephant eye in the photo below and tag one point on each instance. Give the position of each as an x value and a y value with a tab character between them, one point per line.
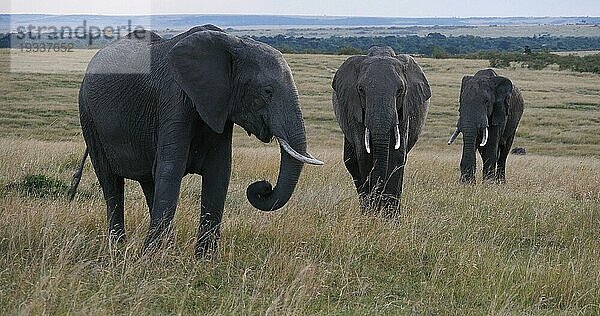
268	91
400	92
361	90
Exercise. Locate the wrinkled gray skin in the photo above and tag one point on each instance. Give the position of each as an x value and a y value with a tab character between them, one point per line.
378	92
177	119
492	101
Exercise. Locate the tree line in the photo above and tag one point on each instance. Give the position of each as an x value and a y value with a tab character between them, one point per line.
434	44
530	52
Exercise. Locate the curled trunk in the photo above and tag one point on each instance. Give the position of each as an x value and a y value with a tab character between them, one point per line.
260	194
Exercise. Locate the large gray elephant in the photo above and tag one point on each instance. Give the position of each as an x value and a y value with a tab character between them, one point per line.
154	110
380	102
490	109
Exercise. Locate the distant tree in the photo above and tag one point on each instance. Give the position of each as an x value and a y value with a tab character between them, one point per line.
436	35
439	53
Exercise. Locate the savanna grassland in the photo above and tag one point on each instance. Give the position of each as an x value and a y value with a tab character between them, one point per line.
530	246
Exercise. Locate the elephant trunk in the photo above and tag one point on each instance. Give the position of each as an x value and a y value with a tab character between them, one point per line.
468	160
292	140
380	148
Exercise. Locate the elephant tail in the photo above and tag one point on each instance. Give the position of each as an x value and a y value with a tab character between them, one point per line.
77	175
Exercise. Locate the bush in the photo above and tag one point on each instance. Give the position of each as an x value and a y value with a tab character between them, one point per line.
439	53
39	185
539	60
499	63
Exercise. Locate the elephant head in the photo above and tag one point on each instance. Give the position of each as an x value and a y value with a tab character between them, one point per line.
483	113
248	83
375	97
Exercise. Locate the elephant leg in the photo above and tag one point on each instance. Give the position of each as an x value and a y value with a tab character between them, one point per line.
351	163
353	166
148	189
392	190
169	169
216	174
489	167
490	153
504	149
113	188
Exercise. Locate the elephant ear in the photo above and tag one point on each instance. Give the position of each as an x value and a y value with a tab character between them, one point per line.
464	81
345	90
503	89
417	87
202	65
463	84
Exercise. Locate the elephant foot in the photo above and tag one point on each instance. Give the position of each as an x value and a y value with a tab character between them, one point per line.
501	180
489	177
467	180
389	207
157	238
381	205
207	246
116	236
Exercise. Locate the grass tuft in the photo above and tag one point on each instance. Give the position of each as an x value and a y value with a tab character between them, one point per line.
39	185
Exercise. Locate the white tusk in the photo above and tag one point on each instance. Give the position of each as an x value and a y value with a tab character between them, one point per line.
453	137
397	146
367	140
407	130
485	136
406	140
309	160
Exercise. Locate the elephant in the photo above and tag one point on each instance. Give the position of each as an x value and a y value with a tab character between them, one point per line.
380	101
158	109
490	109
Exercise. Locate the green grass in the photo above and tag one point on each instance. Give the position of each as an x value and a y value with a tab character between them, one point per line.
530	246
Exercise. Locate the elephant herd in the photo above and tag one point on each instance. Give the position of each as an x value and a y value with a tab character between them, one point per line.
154	110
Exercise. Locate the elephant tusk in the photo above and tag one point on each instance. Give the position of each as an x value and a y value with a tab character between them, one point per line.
485	137
311	156
397	146
406	139
309	160
367	140
453	137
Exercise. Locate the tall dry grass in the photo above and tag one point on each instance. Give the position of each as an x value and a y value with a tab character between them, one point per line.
529	246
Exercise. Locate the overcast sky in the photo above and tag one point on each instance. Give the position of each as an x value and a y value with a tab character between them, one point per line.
397	8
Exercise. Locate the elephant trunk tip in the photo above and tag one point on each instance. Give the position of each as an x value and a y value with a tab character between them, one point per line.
259	194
